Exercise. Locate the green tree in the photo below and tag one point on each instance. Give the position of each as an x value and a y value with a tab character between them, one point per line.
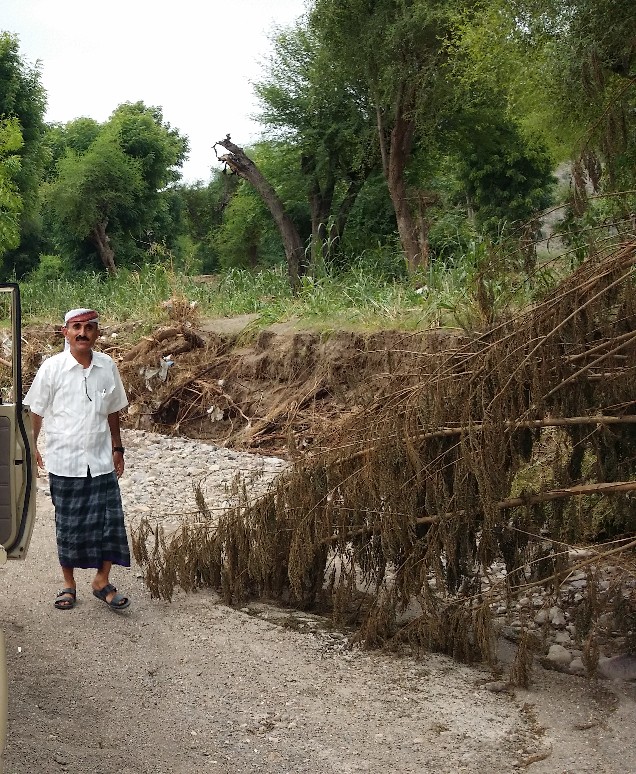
593	71
307	104
239	240
97	193
569	71
144	135
112	188
504	173
22	98
204	207
394	52
381	84
10	199
76	136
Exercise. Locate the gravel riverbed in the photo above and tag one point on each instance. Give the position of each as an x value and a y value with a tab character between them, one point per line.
162	473
194	686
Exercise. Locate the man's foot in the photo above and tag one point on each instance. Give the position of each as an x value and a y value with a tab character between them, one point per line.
111	597
66	599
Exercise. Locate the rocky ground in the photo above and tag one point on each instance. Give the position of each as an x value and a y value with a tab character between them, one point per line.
195	686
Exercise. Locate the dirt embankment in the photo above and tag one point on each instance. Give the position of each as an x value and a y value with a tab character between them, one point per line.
275	391
280	392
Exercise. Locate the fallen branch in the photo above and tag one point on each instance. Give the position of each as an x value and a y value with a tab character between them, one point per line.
446	432
591	365
600	347
243	166
530	423
614	487
146	343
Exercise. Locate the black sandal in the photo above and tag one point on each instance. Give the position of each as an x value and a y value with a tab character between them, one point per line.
66	599
118	602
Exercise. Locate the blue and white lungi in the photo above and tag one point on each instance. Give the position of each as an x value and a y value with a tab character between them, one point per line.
89	521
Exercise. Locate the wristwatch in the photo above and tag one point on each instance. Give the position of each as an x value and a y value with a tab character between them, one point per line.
119	449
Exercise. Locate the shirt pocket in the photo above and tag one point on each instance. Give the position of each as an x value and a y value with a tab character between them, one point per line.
104	398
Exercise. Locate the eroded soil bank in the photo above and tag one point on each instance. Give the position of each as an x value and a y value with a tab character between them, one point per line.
277	391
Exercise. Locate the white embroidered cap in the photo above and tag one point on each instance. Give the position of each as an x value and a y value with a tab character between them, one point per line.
81	315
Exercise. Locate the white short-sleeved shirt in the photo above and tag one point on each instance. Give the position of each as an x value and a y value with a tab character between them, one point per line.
75	403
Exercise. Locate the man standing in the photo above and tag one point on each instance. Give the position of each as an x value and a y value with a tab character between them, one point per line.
79	394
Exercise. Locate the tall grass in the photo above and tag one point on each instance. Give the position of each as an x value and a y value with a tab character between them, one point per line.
364	296
131	295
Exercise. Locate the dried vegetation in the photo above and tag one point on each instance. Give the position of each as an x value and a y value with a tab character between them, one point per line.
510	447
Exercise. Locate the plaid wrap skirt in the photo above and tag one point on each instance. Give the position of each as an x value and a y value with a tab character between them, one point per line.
89	521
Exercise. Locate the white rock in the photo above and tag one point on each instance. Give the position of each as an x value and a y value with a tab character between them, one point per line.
576	666
557	618
577	576
559	655
618	667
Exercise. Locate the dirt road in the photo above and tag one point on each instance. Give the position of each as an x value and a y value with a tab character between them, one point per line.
194	686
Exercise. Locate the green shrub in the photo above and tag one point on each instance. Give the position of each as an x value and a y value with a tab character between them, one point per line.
50	268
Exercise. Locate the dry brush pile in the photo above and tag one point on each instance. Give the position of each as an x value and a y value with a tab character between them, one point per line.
266	391
510	448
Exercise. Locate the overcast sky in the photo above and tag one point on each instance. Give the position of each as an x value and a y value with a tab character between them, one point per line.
194	59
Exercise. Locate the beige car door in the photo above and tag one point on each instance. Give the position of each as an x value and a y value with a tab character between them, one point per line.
18	468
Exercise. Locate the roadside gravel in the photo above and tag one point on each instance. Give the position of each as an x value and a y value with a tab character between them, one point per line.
194	686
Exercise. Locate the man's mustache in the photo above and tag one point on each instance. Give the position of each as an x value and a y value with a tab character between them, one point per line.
81	338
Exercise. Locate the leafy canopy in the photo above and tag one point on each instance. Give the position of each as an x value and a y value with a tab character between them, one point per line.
10	200
116	178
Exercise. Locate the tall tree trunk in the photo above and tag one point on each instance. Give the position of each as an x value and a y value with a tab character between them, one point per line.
426	200
339	223
237	160
406	222
320	203
410	223
101	240
252	254
327	228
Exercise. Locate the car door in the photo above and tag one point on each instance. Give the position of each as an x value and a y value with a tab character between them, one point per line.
17	461
18	468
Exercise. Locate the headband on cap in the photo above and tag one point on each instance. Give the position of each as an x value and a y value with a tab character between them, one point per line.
81	315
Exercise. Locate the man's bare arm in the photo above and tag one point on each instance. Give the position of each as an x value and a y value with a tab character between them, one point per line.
115	436
36	424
